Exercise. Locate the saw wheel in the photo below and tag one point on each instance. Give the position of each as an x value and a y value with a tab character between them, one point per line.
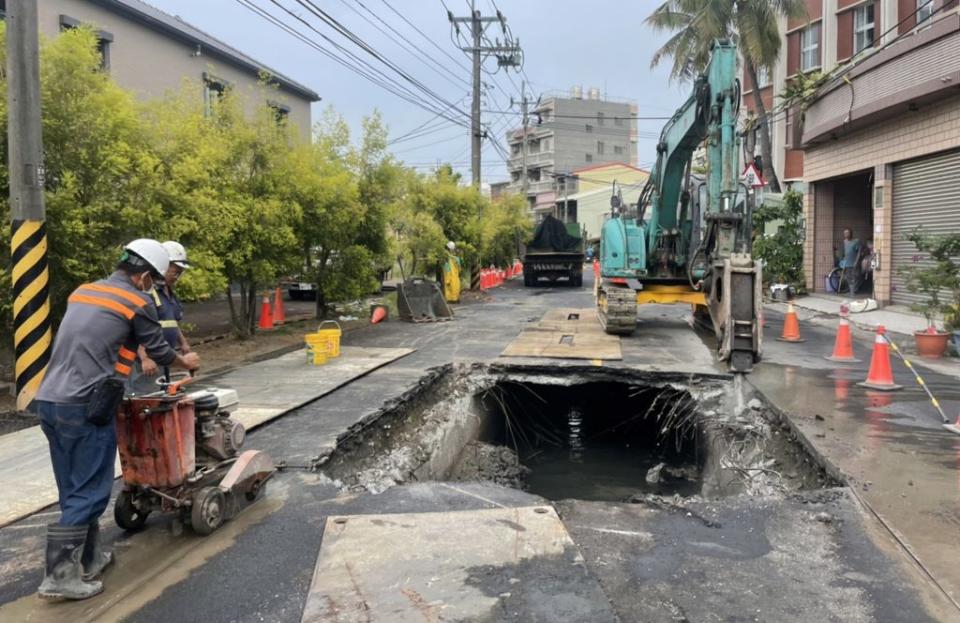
617	309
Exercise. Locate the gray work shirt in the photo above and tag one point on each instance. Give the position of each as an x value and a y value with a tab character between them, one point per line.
98	338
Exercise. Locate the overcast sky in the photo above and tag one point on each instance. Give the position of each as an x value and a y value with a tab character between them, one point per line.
601	43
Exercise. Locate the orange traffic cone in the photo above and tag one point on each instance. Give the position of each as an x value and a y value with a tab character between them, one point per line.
791	326
378	314
279	315
953	428
484	282
266	316
880	376
843	346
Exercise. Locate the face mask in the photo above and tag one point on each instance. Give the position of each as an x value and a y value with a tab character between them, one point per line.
144	281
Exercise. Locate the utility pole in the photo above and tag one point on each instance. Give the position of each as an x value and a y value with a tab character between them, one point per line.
508	55
476	28
523	145
28	241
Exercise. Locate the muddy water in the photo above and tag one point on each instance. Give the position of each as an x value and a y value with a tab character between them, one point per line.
599	473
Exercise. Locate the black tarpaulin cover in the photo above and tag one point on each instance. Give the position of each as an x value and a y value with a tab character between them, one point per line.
552	234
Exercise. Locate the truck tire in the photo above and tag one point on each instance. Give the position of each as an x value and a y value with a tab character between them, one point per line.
577	280
529	280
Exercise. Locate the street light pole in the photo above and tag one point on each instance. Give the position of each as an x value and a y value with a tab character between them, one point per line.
28	241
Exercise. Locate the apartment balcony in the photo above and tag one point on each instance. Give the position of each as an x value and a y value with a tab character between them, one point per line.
539	159
898	80
533	188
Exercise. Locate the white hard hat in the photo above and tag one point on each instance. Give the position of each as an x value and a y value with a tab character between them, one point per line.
178	255
451	245
147	253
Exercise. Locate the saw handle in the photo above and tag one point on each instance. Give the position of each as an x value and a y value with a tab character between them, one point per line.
171	383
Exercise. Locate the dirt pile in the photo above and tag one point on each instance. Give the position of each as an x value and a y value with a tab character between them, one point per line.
486	462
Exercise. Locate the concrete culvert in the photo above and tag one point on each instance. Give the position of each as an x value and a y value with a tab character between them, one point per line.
588	434
598	441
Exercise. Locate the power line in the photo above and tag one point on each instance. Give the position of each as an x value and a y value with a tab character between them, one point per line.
425	36
429	121
605	117
363	45
366	70
458	135
420	54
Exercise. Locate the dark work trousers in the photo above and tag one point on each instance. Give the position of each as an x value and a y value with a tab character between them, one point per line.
852	277
83	456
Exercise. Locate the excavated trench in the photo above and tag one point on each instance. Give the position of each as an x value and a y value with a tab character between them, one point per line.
578	433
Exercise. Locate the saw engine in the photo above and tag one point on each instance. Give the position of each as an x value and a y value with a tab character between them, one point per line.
219	437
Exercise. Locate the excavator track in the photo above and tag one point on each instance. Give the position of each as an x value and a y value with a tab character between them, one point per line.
617	309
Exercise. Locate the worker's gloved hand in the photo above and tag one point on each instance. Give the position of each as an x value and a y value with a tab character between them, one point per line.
191	361
149	366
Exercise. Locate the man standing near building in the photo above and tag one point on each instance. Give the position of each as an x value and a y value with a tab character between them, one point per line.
78	402
169	308
851	261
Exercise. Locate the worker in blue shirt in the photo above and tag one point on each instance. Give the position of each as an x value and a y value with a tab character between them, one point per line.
851	261
78	402
169	308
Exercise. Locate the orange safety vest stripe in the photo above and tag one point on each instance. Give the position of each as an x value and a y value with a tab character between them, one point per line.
130	297
107	303
122	368
126	353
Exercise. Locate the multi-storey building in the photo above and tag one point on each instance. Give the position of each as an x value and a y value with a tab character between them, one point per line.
151	52
567	133
879	147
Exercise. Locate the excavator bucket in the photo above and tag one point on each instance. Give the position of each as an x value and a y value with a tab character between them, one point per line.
420	300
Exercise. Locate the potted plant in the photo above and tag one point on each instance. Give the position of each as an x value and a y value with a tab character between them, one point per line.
938	278
951	322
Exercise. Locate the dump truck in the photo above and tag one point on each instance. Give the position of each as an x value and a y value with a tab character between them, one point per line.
555	253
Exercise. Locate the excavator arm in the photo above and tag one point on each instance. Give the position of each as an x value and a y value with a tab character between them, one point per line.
696	251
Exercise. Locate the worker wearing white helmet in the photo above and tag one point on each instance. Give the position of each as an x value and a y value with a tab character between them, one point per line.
450	270
79	398
169	308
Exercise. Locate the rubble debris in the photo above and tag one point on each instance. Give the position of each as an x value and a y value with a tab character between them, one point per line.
486	462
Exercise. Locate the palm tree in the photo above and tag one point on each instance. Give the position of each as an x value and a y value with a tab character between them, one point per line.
752	24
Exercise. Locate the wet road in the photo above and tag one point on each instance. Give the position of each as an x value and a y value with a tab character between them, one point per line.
258	567
891	444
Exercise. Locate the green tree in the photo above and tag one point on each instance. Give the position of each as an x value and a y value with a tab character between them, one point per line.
343	240
98	167
221	188
380	182
504	224
694	26
782	251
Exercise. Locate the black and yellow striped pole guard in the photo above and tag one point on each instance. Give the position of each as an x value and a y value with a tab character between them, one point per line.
920	381
31	307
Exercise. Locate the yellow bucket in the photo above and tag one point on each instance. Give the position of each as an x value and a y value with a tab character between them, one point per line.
329	332
316	355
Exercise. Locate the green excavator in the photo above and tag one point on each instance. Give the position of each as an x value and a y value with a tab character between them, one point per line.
689	241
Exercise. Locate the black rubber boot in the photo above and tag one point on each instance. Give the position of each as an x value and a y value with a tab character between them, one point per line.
64	575
95	559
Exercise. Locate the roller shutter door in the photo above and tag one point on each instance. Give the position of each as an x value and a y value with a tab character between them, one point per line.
925	192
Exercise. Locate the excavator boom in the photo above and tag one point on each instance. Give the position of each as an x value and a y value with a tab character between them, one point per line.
690	245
